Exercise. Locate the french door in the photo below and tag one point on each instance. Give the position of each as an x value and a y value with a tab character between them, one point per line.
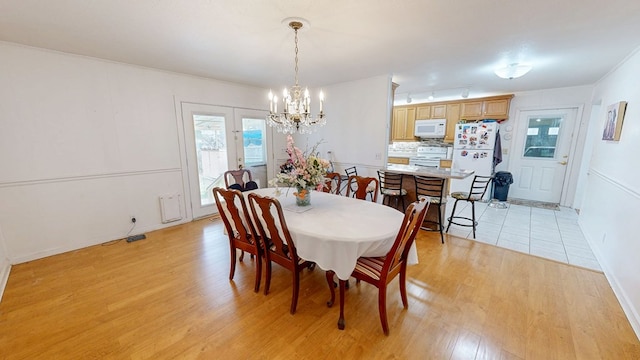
217	139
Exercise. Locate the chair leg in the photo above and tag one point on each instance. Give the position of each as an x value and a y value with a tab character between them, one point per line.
256	287
267	280
382	307
473	217
232	270
403	207
296	291
403	286
452	213
440	223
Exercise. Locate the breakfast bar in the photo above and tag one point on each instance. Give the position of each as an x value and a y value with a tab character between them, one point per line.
408	182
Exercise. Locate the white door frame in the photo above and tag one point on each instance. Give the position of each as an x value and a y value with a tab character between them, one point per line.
237	113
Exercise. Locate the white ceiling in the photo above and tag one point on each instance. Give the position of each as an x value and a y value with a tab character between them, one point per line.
442	46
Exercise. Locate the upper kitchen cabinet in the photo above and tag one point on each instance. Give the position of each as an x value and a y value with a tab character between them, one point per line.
496	107
453	116
423	112
403	123
436	111
439	111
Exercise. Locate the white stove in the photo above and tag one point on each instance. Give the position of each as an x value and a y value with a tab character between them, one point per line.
428	156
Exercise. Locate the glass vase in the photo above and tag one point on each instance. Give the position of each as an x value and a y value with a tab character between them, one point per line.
303	196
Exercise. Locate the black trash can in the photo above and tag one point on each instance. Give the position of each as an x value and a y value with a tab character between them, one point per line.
501	182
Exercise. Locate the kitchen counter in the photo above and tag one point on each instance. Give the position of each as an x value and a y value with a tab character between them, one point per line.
445	173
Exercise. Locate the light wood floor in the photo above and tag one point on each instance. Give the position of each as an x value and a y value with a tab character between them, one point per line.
169	297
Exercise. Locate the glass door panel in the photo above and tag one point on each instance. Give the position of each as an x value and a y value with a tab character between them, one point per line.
211	154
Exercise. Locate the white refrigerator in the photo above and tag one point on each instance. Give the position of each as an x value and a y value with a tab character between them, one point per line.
473	146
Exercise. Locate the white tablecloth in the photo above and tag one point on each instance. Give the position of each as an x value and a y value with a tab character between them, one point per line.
335	231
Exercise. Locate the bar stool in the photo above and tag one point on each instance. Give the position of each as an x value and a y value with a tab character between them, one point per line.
433	188
391	187
476	192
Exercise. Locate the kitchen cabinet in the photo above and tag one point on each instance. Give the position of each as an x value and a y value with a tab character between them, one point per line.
398	160
437	111
404	117
498	108
453	116
403	123
489	108
471	110
423	112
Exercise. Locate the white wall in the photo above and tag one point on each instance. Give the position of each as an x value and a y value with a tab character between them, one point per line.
572	97
611	200
358	120
86	143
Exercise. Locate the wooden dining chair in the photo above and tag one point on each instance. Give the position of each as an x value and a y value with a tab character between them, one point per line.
476	193
380	271
279	247
432	187
332	183
360	186
240	230
240	179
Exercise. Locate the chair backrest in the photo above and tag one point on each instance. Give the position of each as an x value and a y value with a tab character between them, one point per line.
479	187
413	218
351	171
269	220
332	183
430	186
235	215
240	179
359	187
390	181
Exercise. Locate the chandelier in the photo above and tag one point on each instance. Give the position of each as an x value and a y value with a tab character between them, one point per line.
296	114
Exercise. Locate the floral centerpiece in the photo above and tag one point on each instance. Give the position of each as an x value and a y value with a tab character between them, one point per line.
303	170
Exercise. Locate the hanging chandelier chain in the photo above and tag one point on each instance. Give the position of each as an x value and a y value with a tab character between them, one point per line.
296	42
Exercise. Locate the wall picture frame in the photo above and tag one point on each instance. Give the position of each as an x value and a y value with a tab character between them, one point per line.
613	122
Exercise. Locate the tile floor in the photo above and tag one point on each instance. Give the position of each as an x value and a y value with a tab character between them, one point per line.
550	234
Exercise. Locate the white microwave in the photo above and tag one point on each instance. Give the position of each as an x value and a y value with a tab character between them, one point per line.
433	128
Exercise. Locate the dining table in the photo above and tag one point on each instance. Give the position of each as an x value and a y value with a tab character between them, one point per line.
334	231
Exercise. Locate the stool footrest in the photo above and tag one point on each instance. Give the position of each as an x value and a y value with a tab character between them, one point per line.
472	224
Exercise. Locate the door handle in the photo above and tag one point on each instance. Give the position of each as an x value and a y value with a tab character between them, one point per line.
562	163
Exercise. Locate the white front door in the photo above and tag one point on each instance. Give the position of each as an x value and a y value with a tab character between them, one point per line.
540	154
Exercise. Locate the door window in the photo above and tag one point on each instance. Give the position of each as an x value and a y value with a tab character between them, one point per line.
254	141
542	137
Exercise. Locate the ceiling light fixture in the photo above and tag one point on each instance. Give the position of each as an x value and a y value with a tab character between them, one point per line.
465	93
296	115
431	96
513	71
409	99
